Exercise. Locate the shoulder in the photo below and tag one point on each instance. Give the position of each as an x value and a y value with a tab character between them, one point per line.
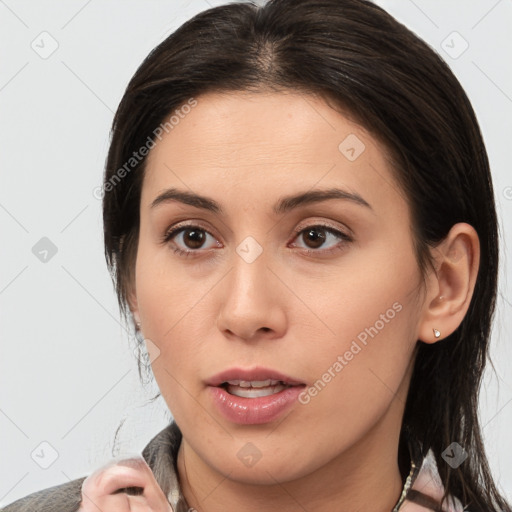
159	453
61	498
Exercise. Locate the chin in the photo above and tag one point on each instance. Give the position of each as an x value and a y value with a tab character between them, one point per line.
249	466
259	474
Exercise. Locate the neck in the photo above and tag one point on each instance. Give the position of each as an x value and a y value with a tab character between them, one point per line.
364	478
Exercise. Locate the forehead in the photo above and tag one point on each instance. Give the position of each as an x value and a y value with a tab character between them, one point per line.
259	125
266	141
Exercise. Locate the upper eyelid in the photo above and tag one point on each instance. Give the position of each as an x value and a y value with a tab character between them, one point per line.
179	227
175	230
326	225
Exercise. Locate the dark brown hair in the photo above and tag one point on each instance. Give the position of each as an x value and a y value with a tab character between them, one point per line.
362	61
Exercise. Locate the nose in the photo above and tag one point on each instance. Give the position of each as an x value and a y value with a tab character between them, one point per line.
252	302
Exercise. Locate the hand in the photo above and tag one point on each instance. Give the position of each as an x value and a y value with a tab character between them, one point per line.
99	489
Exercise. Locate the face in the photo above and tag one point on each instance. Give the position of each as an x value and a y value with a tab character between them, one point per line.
322	289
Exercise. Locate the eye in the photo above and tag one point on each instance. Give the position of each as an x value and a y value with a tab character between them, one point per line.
188	239
322	236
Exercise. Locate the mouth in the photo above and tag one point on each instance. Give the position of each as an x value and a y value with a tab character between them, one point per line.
254	388
254	382
252	396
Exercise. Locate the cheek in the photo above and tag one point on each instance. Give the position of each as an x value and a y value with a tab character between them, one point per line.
362	336
169	295
175	309
369	294
359	378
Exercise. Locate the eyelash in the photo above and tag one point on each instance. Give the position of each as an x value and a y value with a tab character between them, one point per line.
169	235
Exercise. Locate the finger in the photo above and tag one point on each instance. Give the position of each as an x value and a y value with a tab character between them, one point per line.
108	480
117	476
151	490
114	502
140	504
122	503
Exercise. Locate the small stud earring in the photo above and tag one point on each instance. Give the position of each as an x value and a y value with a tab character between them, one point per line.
436	333
138	325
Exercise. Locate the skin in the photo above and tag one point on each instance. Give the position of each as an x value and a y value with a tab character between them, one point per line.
99	489
288	310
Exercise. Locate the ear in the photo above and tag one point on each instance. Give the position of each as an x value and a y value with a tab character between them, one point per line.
133	304
451	284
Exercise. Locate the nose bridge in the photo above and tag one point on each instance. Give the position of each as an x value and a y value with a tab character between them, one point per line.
250	300
248	279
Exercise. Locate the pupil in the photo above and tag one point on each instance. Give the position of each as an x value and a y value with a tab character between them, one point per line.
317	236
194	238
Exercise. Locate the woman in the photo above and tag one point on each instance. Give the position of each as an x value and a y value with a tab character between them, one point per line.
299	219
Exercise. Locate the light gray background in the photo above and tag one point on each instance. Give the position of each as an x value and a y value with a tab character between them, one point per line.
67	372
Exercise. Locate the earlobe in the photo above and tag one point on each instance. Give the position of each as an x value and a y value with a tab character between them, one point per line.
450	288
134	308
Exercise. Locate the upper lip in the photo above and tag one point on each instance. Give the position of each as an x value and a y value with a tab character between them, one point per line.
257	373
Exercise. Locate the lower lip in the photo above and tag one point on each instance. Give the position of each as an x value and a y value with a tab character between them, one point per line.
252	411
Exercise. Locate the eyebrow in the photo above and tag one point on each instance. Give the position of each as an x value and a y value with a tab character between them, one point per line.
283	205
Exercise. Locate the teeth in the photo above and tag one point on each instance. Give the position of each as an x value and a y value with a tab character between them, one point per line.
254	388
255	392
254	383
